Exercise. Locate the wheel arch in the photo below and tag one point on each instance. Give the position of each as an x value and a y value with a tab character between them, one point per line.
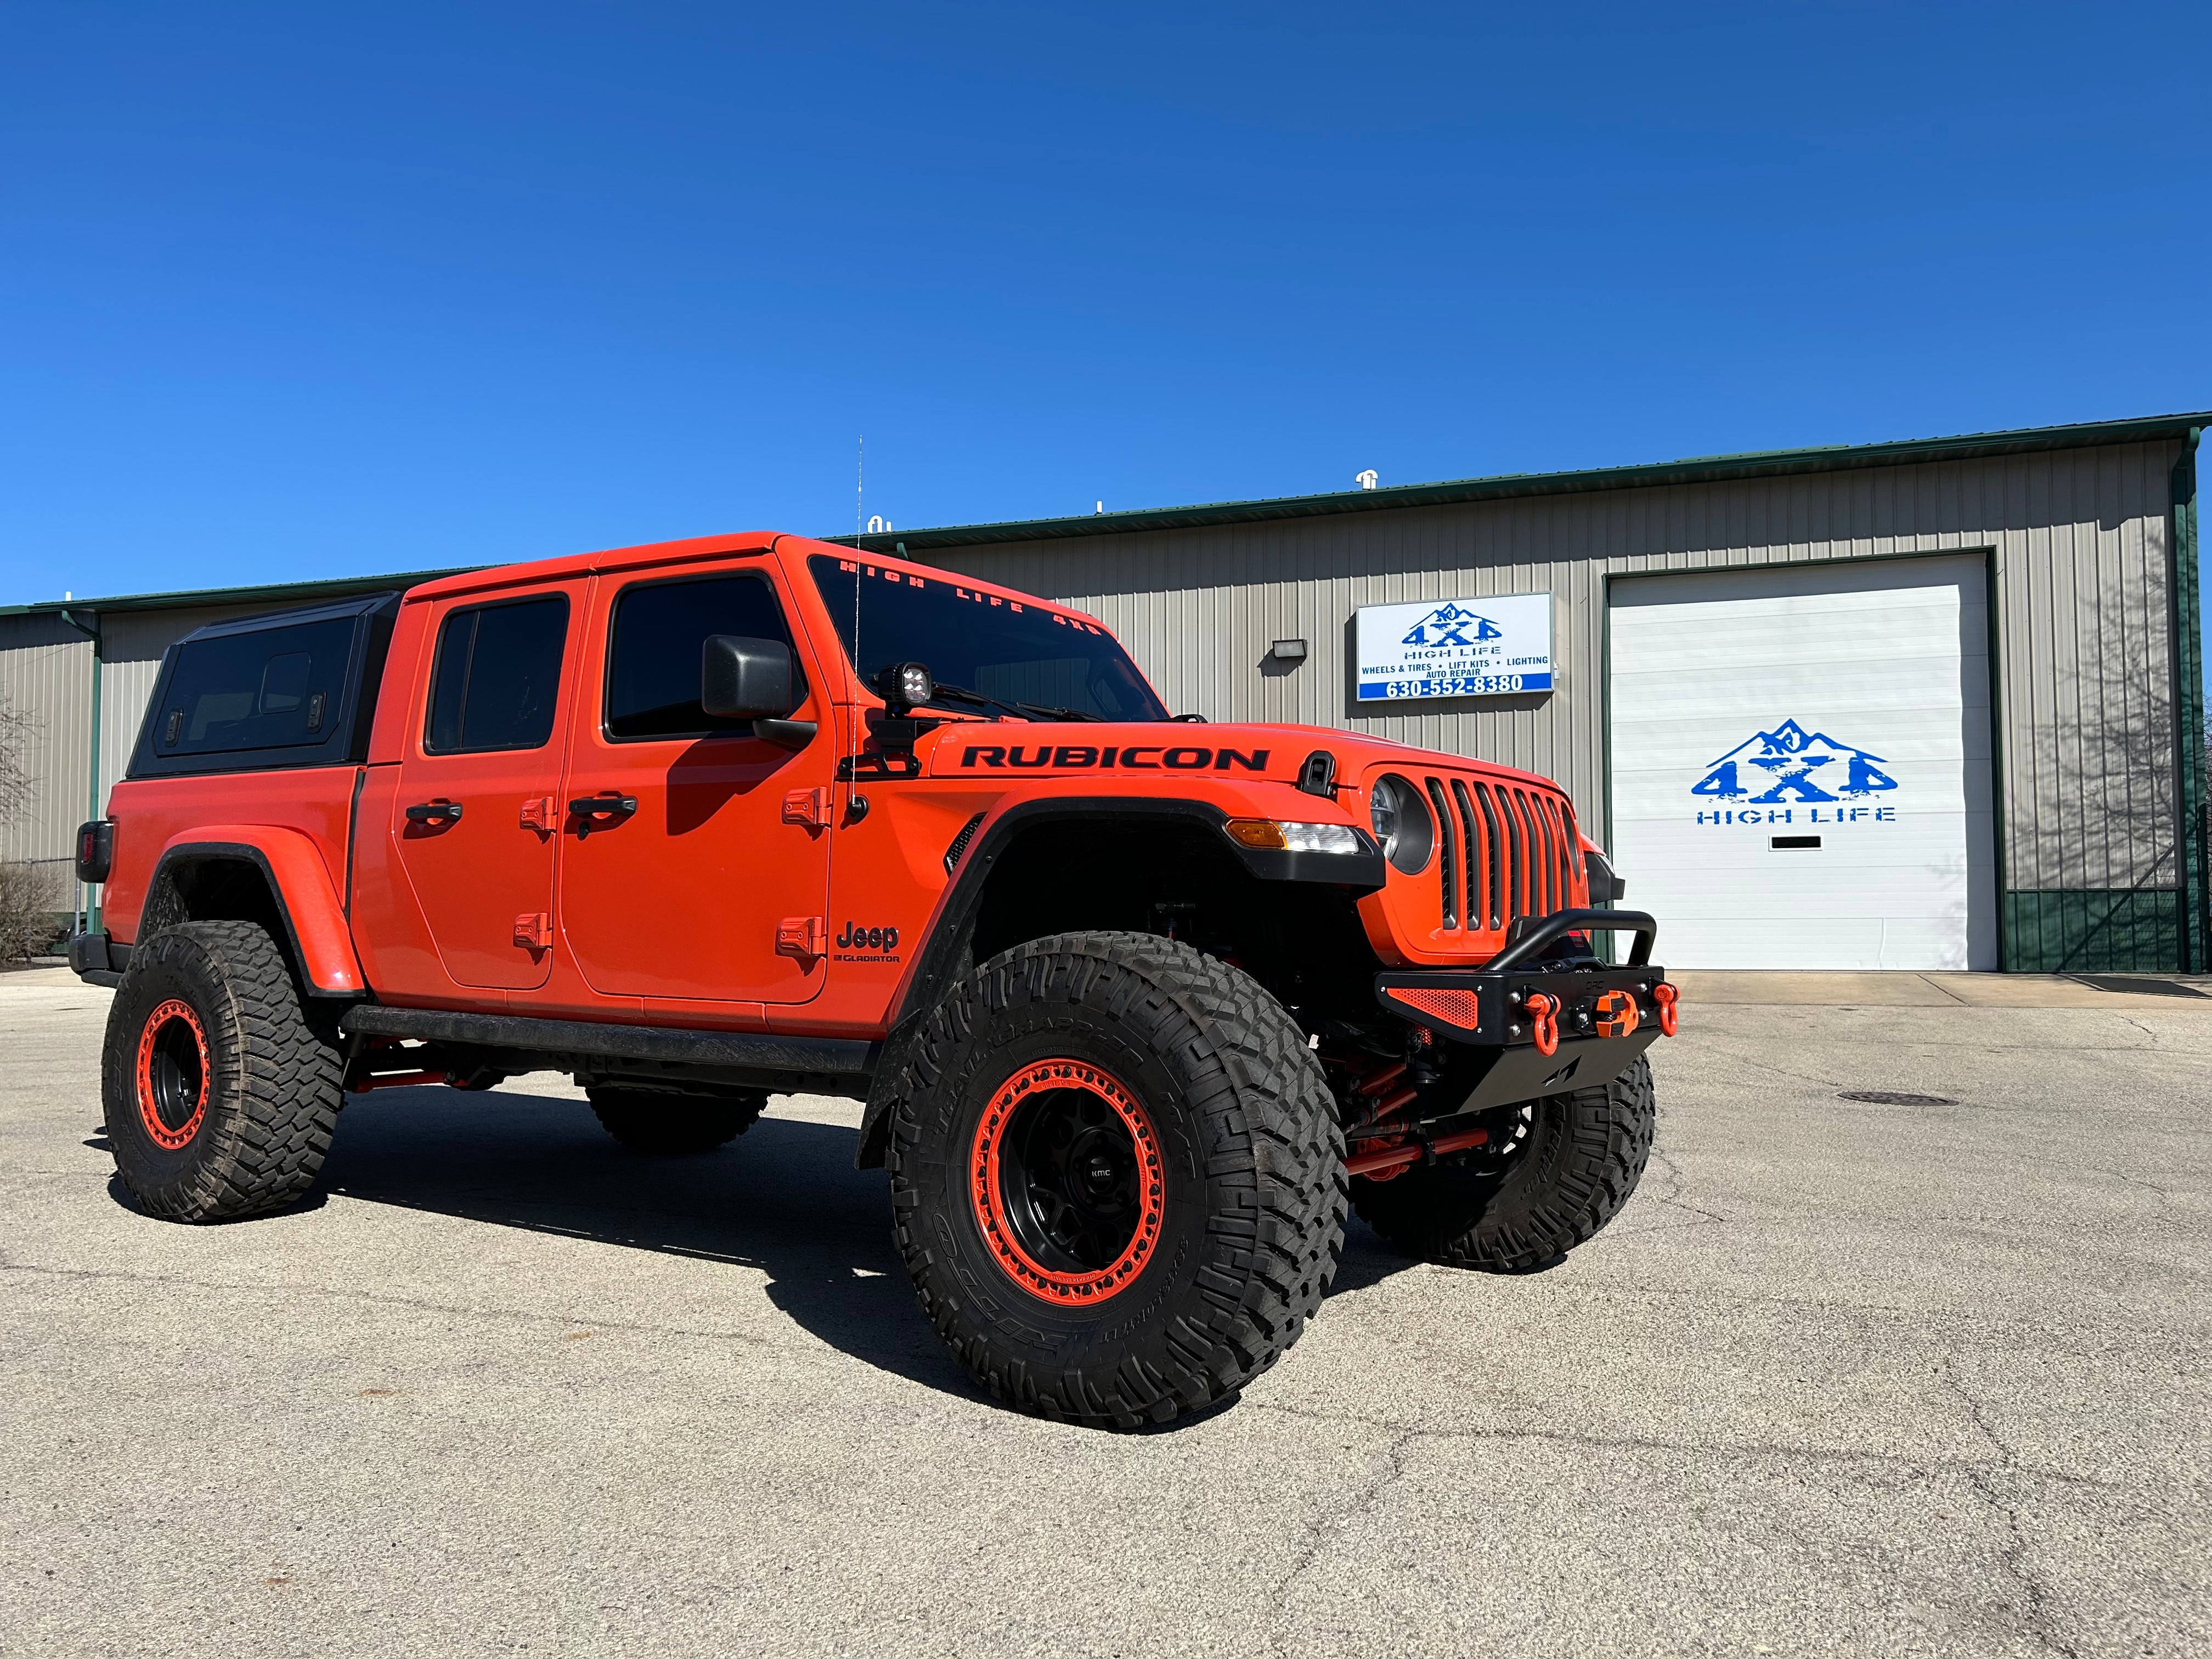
260	873
974	921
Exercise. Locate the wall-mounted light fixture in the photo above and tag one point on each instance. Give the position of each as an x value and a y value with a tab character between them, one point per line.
1288	651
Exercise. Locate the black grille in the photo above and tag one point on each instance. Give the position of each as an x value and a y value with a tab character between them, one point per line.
1448	862
1502	851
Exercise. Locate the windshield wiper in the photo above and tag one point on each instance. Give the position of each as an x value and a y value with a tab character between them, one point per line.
1031	711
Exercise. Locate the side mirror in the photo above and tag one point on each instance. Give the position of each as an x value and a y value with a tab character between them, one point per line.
746	679
742	678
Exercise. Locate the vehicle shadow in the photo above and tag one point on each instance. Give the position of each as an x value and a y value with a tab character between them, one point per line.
784	1199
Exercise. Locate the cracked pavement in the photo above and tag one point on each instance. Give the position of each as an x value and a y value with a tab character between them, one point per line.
1842	1378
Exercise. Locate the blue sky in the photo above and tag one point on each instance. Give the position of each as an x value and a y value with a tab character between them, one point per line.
294	291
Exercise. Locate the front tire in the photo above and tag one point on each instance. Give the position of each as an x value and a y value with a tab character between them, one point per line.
220	1097
1117	1179
1555	1172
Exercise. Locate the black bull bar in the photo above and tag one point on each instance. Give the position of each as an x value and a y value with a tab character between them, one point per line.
1545	1024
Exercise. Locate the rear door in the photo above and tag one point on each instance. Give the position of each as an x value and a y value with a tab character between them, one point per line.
478	813
691	846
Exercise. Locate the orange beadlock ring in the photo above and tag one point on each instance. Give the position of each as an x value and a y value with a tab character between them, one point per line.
987	1195
171	1012
1545	1012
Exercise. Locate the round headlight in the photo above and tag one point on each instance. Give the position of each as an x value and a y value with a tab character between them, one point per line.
1382	812
1402	824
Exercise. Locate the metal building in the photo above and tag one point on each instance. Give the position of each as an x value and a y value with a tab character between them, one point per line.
2001	628
1935	703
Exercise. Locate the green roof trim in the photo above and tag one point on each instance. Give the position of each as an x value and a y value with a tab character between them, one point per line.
1705	469
332	587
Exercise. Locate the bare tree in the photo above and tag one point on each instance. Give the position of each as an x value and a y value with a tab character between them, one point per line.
15	731
29	893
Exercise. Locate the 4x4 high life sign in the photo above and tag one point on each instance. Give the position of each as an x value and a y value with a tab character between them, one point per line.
1773	776
1454	648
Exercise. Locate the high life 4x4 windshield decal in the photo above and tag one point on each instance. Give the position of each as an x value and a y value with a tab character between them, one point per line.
980	644
1087	757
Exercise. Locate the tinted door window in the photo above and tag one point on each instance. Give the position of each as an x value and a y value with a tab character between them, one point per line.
273	689
498	676
660	631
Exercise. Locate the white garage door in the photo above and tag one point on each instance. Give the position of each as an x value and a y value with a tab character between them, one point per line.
1801	764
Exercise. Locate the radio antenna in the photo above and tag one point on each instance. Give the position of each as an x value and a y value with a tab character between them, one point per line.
860	478
857	803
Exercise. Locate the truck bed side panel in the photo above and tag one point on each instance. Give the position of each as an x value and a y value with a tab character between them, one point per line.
151	812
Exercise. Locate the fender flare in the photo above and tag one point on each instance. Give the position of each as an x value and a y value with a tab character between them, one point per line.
300	885
953	921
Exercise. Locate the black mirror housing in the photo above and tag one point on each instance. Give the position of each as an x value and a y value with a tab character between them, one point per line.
742	678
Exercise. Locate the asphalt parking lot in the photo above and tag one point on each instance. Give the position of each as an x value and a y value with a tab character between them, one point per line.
1845	1377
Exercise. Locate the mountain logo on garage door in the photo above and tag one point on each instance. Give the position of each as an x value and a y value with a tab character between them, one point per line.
1447	624
1792	765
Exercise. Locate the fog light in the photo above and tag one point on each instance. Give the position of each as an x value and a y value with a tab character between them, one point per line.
904	685
1275	836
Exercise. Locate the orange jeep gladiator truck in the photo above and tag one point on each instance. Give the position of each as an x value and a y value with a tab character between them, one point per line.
1136	1003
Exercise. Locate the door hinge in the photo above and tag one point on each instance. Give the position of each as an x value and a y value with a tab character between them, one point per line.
533	931
802	936
808	806
541	812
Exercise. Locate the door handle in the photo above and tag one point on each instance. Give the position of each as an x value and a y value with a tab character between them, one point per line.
435	811
605	805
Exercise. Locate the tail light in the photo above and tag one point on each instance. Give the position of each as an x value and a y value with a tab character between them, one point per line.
95	849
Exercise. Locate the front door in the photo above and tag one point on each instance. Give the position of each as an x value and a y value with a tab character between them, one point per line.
476	815
695	861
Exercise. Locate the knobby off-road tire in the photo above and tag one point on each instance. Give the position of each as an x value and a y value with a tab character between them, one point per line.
670	1125
1512	1212
220	1094
1117	1180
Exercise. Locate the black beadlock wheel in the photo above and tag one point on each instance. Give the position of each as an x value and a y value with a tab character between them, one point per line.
1555	1172
1117	1180
220	1096
665	1125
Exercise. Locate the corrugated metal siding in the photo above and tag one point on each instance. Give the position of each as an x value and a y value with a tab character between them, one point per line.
45	674
2080	538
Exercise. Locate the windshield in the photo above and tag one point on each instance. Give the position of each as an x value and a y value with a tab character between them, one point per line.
1020	656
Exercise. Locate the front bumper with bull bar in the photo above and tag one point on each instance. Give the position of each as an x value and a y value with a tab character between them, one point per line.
1544	1022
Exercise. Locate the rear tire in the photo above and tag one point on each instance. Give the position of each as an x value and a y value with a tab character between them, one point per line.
1513	1212
1117	1180
219	1097
673	1125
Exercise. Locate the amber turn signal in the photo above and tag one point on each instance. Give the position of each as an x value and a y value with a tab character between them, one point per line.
1292	837
1255	832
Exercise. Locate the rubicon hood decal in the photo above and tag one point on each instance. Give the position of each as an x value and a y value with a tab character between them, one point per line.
966	756
1244	749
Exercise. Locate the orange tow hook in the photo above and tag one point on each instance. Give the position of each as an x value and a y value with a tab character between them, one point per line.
1666	996
1617	1014
1545	1012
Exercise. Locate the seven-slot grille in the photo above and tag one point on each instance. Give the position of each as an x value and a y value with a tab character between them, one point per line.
1503	851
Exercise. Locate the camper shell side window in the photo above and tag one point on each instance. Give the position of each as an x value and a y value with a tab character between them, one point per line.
297	688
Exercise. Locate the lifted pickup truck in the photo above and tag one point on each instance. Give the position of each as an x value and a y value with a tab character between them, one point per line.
1135	1003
